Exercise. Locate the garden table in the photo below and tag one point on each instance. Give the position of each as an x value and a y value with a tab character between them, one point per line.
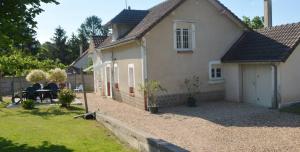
41	93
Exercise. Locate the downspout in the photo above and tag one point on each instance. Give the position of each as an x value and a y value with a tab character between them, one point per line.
275	102
144	69
112	74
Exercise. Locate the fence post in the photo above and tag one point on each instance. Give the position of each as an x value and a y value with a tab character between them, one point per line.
13	90
84	92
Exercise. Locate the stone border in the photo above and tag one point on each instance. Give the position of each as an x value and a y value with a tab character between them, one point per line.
137	139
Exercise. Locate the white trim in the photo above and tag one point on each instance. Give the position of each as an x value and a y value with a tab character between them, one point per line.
191	31
118	76
106	92
131	66
211	79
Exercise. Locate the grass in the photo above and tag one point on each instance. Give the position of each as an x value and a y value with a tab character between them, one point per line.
50	128
295	108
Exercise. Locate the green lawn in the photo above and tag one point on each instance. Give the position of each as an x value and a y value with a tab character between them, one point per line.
52	129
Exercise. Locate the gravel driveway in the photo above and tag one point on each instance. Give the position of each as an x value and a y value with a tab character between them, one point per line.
212	126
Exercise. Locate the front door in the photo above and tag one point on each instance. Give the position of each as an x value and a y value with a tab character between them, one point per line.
108	81
257	85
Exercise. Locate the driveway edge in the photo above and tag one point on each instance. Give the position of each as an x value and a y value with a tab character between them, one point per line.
137	139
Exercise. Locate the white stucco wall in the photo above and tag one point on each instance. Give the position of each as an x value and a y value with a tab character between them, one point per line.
215	34
289	73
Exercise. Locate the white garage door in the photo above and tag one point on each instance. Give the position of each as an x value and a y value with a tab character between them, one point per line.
257	85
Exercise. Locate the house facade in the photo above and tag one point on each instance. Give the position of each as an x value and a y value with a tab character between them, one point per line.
179	39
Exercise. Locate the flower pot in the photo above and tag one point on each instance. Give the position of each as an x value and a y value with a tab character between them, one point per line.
191	102
153	110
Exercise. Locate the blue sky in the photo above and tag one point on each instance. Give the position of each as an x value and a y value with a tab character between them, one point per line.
71	13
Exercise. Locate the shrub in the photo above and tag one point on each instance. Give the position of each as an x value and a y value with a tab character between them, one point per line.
151	88
36	76
57	75
28	104
66	97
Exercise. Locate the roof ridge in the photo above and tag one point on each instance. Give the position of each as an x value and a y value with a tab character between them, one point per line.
277	26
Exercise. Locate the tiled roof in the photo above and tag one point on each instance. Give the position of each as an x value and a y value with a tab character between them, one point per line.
131	17
265	45
155	14
97	40
158	12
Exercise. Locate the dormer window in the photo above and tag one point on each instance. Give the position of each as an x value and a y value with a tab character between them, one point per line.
184	36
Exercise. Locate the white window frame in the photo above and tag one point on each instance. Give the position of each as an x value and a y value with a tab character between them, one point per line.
118	76
131	66
192	31
215	79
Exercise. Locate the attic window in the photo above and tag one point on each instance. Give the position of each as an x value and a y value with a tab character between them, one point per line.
184	36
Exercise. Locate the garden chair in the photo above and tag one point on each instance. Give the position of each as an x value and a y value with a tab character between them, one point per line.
37	86
79	88
30	93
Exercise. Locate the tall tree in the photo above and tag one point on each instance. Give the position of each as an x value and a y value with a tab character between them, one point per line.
60	41
74	46
17	22
255	23
91	27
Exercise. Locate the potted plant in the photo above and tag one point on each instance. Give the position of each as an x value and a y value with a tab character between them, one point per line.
150	89
66	97
192	86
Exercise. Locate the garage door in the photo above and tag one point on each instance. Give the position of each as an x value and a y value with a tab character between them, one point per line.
257	85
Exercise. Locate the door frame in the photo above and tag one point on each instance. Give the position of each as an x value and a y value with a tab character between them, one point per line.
108	65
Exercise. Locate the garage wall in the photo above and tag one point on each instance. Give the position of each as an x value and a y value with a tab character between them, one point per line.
289	74
233	82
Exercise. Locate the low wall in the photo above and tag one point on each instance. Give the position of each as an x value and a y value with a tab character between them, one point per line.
20	83
137	139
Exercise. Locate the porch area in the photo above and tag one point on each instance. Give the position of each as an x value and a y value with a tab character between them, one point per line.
212	126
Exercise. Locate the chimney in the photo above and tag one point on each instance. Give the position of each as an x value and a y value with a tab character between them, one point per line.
268	13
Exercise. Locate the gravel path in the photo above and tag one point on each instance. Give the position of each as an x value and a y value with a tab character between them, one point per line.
214	126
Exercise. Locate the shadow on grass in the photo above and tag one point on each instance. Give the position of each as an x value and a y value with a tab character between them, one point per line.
10	146
53	111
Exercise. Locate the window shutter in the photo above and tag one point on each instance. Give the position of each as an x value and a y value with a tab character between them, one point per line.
193	36
175	36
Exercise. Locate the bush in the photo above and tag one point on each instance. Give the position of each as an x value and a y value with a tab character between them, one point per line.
66	97
57	76
28	104
36	76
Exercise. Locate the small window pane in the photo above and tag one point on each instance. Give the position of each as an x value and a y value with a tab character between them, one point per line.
185	38
213	73
219	73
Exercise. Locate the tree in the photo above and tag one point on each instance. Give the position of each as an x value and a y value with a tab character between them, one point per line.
91	27
17	22
60	41
74	46
256	23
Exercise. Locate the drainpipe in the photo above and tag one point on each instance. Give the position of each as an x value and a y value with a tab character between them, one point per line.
275	102
112	83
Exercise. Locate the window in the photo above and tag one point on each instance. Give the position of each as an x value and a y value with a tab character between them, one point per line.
215	70
116	76
184	36
131	81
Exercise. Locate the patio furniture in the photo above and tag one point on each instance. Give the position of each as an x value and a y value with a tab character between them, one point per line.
29	93
79	88
54	91
37	86
45	93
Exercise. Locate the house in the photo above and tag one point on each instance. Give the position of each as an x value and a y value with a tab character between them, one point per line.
84	61
179	39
